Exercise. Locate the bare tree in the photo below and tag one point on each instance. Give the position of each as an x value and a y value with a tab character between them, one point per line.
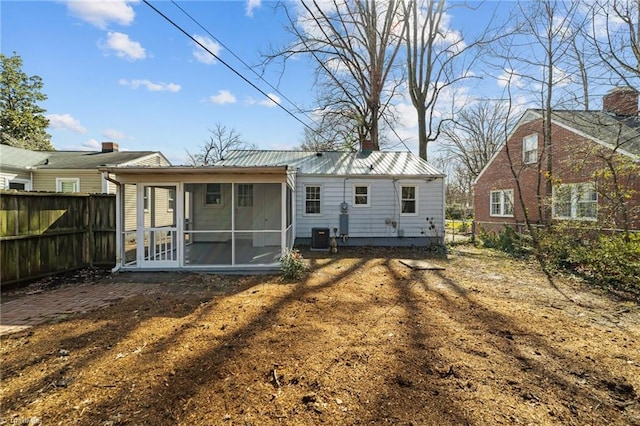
437	58
221	141
537	58
354	45
615	33
476	135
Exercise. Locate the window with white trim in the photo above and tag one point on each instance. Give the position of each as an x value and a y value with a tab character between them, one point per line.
312	194
530	149
213	194
409	200
147	198
502	203
171	199
245	195
67	185
575	201
361	196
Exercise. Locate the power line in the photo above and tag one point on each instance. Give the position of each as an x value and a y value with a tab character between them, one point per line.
179	28
275	89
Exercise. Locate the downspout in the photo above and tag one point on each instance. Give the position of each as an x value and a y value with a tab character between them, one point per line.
105	176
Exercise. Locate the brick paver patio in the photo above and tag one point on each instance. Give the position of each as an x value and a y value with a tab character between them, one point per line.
33	309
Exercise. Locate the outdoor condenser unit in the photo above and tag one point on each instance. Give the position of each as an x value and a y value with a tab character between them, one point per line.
320	239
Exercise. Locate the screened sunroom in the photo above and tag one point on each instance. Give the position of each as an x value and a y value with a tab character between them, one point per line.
203	218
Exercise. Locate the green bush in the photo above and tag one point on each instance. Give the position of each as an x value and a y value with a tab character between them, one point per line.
293	265
608	260
508	241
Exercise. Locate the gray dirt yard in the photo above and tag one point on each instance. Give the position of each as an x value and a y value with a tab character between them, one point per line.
361	339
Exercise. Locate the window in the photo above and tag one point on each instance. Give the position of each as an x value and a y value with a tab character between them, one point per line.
530	149
361	195
17	185
502	203
213	195
409	200
575	201
171	200
67	185
245	195
147	198
312	199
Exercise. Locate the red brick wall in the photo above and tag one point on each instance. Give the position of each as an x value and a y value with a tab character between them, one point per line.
575	159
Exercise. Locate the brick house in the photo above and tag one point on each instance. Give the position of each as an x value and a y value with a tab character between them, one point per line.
594	174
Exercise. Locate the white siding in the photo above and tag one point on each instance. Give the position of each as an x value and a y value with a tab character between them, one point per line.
376	220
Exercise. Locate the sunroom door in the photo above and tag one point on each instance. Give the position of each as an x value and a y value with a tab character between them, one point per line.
158	242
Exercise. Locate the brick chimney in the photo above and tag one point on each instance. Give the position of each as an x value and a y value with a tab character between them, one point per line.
366	145
109	147
621	101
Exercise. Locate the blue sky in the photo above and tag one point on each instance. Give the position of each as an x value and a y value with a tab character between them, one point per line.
117	71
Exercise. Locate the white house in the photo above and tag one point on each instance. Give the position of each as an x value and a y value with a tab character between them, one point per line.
243	212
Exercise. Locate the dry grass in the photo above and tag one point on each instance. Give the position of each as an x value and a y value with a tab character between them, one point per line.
362	339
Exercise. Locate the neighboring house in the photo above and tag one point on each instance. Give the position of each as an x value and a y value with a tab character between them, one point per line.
595	158
68	171
242	213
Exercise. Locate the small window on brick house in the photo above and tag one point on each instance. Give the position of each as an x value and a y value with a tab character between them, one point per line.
502	203
530	149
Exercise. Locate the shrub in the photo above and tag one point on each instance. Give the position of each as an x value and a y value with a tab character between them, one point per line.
508	241
293	265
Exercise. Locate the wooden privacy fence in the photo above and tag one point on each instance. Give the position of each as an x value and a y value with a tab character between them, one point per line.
46	233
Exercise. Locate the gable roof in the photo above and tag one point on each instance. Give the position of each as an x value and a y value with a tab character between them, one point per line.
19	158
374	163
614	132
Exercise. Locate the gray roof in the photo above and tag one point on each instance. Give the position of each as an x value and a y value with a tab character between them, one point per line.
18	158
622	133
90	160
375	163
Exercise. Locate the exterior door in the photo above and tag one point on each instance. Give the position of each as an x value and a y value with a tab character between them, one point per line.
267	215
158	238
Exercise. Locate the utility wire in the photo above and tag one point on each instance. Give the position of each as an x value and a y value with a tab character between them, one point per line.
243	62
179	28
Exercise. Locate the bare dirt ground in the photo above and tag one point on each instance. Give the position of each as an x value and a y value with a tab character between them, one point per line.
362	339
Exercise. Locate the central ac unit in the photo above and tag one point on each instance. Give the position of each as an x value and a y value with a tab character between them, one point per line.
320	239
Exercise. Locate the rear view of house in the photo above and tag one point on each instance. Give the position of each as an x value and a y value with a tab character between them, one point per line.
243	212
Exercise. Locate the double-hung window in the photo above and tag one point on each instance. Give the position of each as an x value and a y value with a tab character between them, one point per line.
409	201
213	194
530	149
361	196
575	201
502	203
245	195
67	185
312	198
171	200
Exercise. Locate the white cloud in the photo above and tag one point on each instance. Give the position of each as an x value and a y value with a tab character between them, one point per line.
91	145
252	5
223	97
65	122
203	55
151	86
123	46
509	77
113	134
273	101
101	13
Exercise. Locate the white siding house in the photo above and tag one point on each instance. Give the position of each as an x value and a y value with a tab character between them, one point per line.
243	212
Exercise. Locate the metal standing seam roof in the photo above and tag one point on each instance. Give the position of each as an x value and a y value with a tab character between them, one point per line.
374	163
